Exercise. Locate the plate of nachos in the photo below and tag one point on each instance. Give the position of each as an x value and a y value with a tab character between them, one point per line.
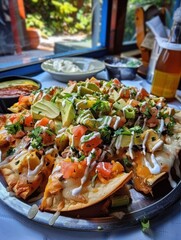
93	155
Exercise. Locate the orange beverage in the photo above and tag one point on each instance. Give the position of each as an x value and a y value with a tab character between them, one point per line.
167	74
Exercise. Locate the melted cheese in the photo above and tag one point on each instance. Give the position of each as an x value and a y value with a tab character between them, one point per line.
32	173
89	167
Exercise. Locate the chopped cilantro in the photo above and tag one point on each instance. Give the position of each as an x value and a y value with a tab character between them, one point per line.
87	137
49	132
133	93
136	129
126	162
105	135
170	126
100	107
10	151
14	128
93	155
81	158
147	112
122	131
145	225
36	139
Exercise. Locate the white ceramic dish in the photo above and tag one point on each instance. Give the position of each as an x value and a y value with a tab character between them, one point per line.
89	67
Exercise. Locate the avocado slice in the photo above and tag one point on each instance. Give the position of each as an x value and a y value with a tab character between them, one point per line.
84	103
44	108
67	111
92	86
114	95
125	140
120	104
84	90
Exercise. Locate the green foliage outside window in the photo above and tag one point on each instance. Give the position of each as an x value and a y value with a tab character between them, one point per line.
55	17
59	16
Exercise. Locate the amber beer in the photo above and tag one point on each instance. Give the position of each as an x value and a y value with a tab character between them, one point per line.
167	72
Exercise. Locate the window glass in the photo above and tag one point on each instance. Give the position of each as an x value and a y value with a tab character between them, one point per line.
33	30
129	33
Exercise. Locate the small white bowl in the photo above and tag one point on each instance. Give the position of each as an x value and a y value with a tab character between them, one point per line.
87	67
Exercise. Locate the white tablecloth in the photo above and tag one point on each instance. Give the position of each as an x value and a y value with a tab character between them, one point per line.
14	226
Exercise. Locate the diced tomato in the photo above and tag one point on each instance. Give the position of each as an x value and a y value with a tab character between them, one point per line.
107	170
133	103
14	118
73	169
119	124
125	92
48	139
78	131
19	134
104	169
152	122
89	145
116	81
142	94
43	122
28	121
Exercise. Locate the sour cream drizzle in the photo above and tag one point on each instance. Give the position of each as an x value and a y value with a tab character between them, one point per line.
107	121
118	142
144	123
157	145
131	146
137	121
116	122
85	138
155	169
32	173
81	102
144	142
89	167
160	130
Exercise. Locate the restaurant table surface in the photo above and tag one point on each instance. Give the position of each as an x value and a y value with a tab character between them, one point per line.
166	225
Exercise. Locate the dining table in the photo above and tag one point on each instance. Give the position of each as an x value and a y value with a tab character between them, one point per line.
166	224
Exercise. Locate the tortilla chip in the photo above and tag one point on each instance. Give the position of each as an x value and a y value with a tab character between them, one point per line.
88	196
15	173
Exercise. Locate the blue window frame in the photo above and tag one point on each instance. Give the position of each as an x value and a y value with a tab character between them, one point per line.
97	49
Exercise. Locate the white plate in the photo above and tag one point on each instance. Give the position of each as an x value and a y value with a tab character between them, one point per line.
89	68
